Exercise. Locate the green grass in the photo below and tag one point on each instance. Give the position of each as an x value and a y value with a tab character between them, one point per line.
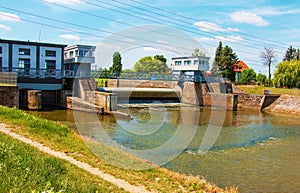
25	169
250	89
60	137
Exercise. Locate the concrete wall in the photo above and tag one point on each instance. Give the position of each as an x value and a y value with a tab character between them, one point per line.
9	96
102	99
285	104
142	83
199	94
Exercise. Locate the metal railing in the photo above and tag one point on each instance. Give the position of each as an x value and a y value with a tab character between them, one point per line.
161	77
40	73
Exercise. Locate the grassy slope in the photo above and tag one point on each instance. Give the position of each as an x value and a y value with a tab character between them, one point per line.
25	169
249	89
61	138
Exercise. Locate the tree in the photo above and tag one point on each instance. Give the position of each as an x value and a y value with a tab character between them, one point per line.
151	65
224	62
116	68
297	54
218	56
197	52
160	58
287	74
268	57
248	75
290	54
261	79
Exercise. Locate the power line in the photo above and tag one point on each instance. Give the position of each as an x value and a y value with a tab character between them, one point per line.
162	33
194	31
76	31
193	20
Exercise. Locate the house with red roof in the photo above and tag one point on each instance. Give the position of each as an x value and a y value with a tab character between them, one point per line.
239	67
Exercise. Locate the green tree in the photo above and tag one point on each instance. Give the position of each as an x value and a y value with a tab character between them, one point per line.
287	74
151	65
224	62
261	79
218	57
268	57
116	68
160	58
289	54
248	75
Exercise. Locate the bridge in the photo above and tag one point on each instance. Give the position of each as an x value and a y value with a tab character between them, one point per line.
161	77
40	73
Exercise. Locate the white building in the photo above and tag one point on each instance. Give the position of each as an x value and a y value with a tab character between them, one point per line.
38	65
79	57
195	66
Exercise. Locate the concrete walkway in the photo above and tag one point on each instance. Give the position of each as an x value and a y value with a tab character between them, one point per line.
116	181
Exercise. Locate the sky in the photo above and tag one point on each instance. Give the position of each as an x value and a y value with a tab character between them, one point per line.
138	28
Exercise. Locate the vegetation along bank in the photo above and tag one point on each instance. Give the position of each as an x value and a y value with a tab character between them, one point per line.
59	137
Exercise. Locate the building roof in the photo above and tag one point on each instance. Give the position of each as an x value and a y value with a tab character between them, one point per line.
189	57
87	47
32	43
240	66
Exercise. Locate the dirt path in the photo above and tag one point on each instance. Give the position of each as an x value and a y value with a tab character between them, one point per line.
116	181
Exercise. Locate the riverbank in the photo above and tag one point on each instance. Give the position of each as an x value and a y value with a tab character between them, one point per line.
287	103
61	138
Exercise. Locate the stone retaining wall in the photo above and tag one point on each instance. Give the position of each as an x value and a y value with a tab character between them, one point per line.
9	96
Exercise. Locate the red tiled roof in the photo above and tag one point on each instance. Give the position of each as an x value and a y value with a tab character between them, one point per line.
240	66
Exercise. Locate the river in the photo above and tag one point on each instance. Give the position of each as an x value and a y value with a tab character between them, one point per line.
255	151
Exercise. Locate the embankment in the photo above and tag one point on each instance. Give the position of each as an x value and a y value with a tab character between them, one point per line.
285	104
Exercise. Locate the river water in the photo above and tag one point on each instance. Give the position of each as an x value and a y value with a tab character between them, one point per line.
255	151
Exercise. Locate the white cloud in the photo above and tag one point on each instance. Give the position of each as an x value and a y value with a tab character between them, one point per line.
4	16
65	2
229	38
248	17
69	37
209	26
5	27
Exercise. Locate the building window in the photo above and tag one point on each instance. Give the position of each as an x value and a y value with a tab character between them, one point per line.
177	63
196	62
66	54
187	62
24	63
51	53
81	53
71	54
24	51
50	64
0	49
0	63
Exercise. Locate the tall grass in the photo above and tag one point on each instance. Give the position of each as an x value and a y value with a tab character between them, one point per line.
25	169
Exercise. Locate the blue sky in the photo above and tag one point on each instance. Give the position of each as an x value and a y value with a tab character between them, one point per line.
246	26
